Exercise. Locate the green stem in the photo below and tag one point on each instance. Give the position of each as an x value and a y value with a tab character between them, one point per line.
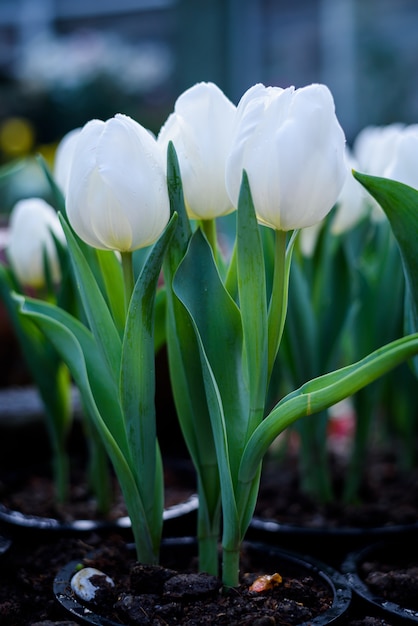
209	228
128	277
99	471
230	566
208	519
61	473
278	300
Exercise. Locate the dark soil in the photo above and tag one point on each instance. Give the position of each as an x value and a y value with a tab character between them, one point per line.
27	570
392	573
167	595
388	496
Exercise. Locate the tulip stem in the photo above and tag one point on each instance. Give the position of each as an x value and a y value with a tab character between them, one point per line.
128	277
209	229
278	302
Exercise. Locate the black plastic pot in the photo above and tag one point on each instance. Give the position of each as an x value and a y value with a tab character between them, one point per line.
5	543
330	544
267	558
373	557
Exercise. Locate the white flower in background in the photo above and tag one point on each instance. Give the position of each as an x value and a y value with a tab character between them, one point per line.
372	150
373	147
403	165
32	224
308	237
117	196
352	203
292	147
63	158
201	131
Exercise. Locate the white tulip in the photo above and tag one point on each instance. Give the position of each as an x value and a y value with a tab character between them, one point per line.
117	196
292	147
403	165
63	158
31	225
352	203
373	147
201	130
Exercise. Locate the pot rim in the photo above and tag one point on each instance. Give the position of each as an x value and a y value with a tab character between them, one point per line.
350	569
334	579
372	532
34	522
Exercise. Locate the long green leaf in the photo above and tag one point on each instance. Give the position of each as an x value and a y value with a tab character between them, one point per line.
51	320
98	315
321	393
183	351
252	301
137	382
400	203
199	287
80	358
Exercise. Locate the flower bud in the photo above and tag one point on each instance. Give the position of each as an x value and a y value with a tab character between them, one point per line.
292	147
201	130
32	222
117	196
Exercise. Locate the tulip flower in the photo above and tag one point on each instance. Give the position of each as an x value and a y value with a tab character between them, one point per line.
33	226
291	145
201	130
63	158
351	202
373	147
117	195
403	164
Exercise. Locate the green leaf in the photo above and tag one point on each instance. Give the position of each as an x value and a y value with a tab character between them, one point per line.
400	203
183	352
252	301
77	347
52	321
321	393
199	287
98	315
42	360
137	382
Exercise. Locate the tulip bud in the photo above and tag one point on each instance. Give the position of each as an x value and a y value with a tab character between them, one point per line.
63	158
117	196
201	130
32	222
292	147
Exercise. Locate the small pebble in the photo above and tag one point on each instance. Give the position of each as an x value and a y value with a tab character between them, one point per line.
88	582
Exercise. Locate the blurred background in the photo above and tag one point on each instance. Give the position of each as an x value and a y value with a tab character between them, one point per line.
63	62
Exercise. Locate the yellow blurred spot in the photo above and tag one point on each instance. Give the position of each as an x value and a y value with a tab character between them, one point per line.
16	136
